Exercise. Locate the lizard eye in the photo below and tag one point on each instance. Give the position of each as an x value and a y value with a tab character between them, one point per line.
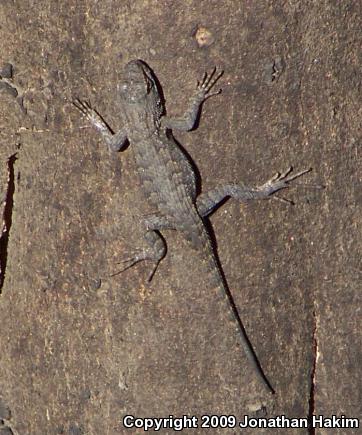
149	82
149	86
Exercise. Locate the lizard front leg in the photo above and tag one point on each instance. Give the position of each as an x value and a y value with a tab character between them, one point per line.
207	202
203	92
115	141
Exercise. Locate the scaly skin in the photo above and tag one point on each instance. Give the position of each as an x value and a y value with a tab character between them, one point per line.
169	182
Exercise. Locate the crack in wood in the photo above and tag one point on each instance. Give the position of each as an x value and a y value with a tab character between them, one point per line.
7	218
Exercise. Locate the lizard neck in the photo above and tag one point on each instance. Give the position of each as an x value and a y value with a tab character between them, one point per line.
143	118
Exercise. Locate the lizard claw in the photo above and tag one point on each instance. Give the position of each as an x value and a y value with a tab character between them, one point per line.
129	261
207	83
91	114
135	258
282	181
83	106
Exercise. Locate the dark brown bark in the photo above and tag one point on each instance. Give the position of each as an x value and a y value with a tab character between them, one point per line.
79	349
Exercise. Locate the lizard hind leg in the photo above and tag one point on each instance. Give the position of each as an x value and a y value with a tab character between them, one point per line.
155	251
207	202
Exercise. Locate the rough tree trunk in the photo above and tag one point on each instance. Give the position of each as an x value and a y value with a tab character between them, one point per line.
79	349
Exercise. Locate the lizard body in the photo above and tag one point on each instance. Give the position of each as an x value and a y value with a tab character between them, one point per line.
168	179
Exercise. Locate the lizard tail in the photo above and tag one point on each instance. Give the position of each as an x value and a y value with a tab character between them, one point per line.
203	244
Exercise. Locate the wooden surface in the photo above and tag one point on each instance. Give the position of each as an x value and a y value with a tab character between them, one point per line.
79	350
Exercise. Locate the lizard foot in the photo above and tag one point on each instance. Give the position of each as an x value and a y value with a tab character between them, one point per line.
137	257
207	83
130	261
282	181
90	114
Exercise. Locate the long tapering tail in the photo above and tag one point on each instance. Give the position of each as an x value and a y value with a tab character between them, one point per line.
203	244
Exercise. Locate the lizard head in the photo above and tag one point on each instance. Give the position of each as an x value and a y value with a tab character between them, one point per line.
139	82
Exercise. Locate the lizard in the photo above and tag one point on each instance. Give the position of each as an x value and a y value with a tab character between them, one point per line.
168	179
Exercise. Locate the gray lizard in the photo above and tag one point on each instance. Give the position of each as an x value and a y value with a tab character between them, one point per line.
168	178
